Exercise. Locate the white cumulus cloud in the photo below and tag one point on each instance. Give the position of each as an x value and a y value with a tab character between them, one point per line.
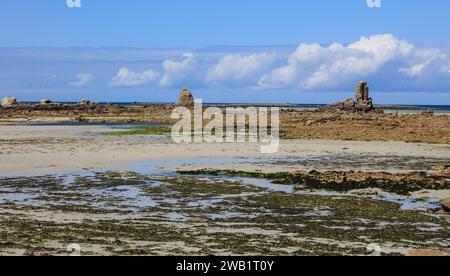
313	66
127	78
180	71
422	60
239	69
82	80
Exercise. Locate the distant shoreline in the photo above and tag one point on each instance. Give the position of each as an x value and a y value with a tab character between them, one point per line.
281	105
296	121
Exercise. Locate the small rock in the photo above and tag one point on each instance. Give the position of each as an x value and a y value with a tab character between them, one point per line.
8	102
428	113
85	102
46	101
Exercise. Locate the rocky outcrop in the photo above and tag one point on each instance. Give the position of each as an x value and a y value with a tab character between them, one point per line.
8	102
362	101
46	102
186	98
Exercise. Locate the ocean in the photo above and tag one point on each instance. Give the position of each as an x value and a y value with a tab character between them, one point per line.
387	107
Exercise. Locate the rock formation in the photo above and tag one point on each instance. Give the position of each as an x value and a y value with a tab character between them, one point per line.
46	102
362	94
8	102
186	98
362	102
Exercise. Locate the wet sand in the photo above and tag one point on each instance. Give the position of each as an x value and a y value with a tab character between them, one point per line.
51	149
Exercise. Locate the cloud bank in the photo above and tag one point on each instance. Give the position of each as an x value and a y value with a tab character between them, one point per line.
395	64
389	63
312	66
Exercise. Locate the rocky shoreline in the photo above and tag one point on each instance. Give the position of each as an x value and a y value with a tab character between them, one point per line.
339	125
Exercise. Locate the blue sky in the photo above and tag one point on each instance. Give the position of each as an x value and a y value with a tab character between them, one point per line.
234	51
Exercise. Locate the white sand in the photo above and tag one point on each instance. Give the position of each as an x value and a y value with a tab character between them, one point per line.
52	149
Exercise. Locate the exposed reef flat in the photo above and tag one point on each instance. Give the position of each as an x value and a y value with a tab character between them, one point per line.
402	184
366	126
128	213
295	124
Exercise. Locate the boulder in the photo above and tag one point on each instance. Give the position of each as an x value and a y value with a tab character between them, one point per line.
428	113
85	102
363	107
8	102
186	98
349	105
46	101
446	204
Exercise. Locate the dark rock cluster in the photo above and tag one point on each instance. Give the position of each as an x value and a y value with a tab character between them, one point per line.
362	101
